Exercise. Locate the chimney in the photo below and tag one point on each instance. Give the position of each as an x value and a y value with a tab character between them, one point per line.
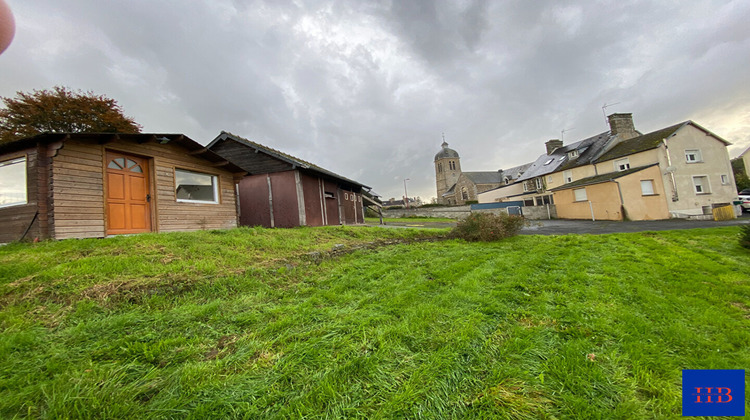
552	145
622	125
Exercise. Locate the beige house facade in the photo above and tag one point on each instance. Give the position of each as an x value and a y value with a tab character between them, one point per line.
677	172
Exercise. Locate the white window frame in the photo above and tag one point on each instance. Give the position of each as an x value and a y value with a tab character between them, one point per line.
701	185
693	156
579	194
525	186
650	183
15	161
567	176
724	179
573	154
622	164
214	183
539	182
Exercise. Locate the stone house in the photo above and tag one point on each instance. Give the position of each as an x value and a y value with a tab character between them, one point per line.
455	187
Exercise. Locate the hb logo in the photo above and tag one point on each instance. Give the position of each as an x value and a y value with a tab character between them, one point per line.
719	395
713	392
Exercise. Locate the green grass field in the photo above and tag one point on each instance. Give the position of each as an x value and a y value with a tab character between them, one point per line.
258	323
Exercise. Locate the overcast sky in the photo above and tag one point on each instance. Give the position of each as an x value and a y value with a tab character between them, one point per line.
366	88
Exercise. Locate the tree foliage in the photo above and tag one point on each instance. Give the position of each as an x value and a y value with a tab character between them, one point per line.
740	177
62	110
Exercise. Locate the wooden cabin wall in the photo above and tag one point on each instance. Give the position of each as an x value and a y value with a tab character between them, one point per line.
30	218
78	189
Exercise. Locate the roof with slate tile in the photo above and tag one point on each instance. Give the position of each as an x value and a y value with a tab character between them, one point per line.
598	179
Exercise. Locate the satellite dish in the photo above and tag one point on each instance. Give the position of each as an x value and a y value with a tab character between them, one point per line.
670	169
7	26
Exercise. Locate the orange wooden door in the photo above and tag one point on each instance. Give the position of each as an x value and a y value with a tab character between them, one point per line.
128	199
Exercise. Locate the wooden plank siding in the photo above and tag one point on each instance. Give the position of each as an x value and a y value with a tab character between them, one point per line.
26	218
78	187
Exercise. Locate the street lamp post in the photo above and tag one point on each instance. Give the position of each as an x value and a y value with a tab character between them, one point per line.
406	195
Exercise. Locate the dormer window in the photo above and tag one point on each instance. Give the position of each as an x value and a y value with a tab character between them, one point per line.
622	165
573	154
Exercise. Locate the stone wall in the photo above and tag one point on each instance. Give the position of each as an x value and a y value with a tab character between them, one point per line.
539	212
460	212
457	212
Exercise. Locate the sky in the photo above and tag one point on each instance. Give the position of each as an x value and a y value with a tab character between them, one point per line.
368	89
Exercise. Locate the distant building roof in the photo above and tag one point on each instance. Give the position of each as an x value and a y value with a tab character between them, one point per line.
588	149
489	177
641	143
598	179
515	172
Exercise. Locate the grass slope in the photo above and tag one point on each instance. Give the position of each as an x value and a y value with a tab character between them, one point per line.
246	324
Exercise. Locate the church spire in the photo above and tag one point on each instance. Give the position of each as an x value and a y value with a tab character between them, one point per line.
445	144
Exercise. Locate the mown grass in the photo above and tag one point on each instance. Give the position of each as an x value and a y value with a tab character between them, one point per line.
246	324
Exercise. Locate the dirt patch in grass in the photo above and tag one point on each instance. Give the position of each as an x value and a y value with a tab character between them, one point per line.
742	307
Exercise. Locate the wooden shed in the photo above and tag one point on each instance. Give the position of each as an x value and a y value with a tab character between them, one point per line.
82	185
280	190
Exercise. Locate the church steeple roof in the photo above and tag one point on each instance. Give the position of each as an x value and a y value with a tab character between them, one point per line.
446	152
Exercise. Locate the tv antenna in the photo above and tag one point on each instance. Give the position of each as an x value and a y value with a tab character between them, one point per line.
562	133
604	112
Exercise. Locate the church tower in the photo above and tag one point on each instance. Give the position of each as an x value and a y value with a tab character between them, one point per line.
447	171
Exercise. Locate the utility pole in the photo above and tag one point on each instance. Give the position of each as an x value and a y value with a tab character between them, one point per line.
406	195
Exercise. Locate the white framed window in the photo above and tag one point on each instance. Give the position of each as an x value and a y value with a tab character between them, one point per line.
568	176
573	154
13	182
701	185
196	187
693	156
622	164
539	183
525	186
724	179
506	180
580	194
346	196
647	187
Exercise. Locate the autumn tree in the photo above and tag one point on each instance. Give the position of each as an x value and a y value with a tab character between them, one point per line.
61	110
